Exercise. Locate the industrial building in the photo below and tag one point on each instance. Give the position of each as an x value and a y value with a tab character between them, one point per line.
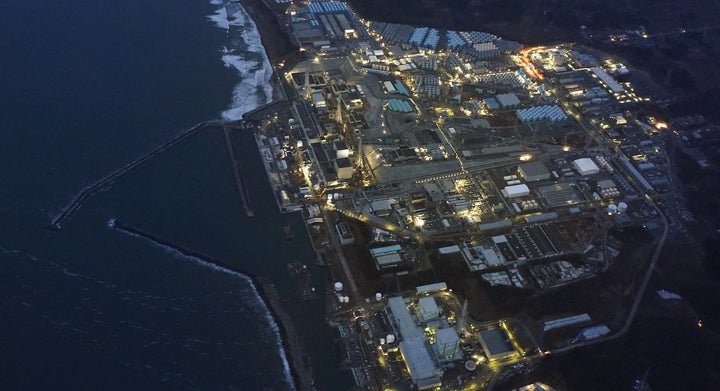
491	103
344	168
414	346
447	344
535	171
480	257
496	344
343	231
559	194
585	166
341	149
387	257
508	100
429	309
515	191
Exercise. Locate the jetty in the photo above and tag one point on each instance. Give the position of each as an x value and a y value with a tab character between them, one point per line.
57	222
237	174
300	366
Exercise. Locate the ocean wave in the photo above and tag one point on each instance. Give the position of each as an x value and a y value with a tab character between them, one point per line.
270	320
248	59
220	18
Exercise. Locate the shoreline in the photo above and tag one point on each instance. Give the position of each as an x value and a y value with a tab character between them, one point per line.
299	371
276	42
277	46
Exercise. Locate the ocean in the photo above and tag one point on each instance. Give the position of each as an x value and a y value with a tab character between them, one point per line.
87	87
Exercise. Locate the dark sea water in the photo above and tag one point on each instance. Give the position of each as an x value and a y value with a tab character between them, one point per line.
88	86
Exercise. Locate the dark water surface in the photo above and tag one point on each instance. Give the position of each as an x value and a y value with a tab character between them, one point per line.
87	87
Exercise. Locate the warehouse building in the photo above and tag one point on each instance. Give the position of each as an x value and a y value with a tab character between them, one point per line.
585	166
535	171
515	191
508	100
387	257
496	344
559	195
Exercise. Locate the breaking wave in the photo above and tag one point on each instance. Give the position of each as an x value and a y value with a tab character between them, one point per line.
246	54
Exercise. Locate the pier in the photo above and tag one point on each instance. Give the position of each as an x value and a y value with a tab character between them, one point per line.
237	174
300	366
79	200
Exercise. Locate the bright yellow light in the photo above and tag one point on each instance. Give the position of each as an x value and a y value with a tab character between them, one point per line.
419	222
661	125
525	157
566	148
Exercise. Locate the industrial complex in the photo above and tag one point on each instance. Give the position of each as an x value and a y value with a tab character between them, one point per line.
439	171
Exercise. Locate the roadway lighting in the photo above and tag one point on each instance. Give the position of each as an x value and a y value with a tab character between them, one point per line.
525	157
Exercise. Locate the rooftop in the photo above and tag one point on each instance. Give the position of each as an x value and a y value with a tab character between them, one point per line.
403	319
418	359
495	340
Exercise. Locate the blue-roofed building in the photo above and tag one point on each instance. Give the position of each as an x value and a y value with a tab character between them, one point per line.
327	7
401	88
400	106
491	103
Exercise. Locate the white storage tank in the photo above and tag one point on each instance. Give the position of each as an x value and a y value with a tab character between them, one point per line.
622	207
612	209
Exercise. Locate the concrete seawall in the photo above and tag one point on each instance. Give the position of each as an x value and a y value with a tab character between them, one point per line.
57	222
300	367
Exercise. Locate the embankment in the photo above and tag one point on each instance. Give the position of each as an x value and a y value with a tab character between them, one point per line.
300	368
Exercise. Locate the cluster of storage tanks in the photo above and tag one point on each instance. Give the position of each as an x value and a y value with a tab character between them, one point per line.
620	208
611	192
389	339
338	293
537	113
604	163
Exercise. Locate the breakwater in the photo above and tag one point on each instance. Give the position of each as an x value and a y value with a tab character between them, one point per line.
237	174
57	222
300	367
